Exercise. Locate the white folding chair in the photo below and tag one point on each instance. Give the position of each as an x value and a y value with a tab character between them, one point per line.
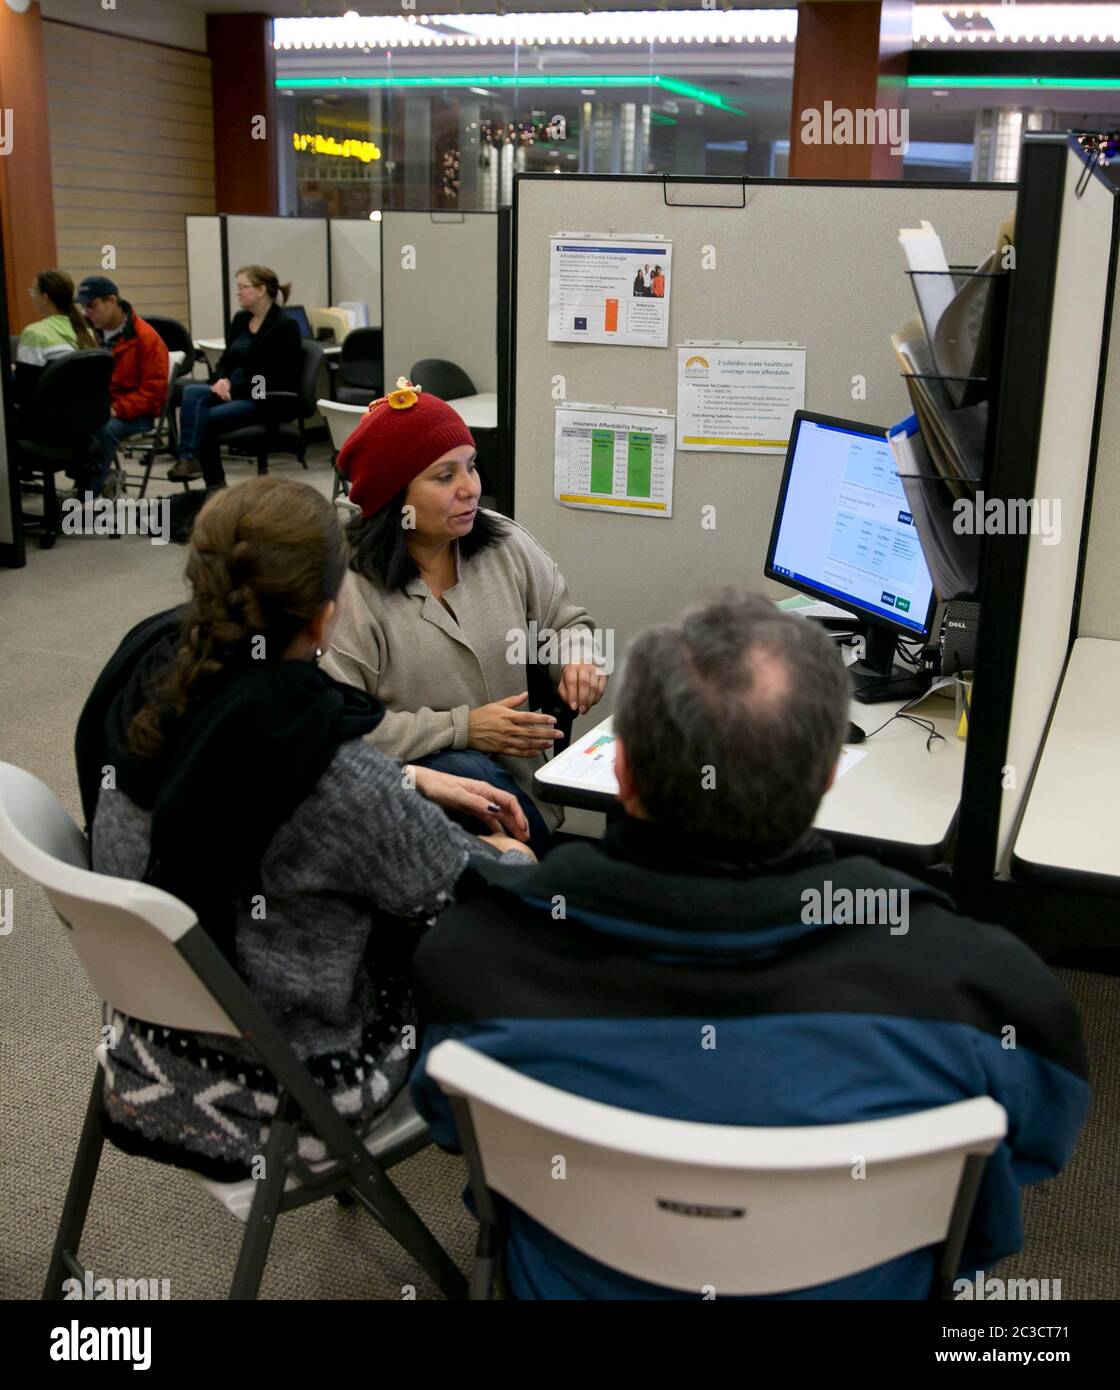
704	1206
147	956
342	420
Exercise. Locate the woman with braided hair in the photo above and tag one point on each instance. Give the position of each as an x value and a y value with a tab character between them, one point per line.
242	784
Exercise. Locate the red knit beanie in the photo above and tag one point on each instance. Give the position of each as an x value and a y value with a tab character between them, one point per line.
400	436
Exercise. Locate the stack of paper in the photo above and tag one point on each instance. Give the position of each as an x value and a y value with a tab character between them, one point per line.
944	357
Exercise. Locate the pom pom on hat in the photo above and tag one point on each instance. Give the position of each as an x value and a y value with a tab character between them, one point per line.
402	434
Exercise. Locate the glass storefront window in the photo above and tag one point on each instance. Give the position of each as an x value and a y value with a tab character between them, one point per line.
438	113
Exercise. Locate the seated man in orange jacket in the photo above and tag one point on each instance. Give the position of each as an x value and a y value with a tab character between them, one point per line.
138	387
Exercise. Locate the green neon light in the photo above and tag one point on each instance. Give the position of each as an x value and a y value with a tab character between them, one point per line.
668	84
1095	84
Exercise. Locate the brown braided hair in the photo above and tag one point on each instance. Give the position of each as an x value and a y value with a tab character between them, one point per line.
264	559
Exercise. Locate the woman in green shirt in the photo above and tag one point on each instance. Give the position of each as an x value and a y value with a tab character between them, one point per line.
61	328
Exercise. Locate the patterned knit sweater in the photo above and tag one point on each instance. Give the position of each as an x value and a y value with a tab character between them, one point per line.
348	884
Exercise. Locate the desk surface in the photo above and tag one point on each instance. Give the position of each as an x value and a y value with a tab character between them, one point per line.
1068	830
479	412
893	796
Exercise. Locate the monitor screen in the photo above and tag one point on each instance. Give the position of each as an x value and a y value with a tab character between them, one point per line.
297	312
843	530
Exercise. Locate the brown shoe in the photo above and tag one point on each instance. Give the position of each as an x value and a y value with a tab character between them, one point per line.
185	471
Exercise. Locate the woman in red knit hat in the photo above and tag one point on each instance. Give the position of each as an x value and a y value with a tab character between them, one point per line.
447	604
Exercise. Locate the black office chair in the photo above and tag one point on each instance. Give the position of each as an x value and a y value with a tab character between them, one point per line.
284	433
441	378
544	698
176	338
360	369
71	403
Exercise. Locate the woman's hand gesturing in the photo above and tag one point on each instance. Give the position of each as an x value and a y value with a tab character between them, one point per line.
500	727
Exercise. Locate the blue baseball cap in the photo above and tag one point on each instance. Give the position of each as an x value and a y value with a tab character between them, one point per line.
95	287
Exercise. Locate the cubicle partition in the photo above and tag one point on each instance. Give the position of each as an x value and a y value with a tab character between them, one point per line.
326	260
207	294
11	525
1037	845
769	260
355	264
439	281
296	248
1053	388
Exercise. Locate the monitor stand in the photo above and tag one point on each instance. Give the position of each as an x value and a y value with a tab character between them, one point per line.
876	678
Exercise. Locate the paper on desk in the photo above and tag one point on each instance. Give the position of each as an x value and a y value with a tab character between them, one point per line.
590	761
806	607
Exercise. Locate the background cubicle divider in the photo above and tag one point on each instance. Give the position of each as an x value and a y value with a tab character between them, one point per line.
440	300
206	281
355	264
325	259
803	261
296	248
504	326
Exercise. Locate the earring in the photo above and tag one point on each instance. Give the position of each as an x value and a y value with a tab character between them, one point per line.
318	654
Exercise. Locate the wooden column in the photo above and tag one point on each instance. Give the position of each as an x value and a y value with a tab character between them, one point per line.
849	57
243	80
26	190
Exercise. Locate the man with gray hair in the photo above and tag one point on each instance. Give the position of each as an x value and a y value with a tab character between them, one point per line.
694	964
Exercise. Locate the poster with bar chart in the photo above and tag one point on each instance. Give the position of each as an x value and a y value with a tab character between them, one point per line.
613	459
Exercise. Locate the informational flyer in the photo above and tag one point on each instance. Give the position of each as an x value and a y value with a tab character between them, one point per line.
738	397
608	289
614	459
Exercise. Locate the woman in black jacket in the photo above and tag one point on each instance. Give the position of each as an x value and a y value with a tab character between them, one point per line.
262	356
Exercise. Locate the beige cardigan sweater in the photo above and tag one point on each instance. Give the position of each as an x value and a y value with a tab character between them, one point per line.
430	669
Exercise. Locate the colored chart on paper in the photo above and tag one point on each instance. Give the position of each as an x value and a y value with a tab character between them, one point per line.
614	460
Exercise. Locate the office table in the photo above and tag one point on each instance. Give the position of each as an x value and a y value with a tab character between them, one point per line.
214	347
892	798
478	412
1068	832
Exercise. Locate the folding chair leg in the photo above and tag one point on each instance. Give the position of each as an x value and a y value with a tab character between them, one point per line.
375	1190
148	464
486	1255
52	513
82	1178
282	1139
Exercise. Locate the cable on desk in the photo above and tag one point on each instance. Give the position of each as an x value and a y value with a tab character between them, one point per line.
926	724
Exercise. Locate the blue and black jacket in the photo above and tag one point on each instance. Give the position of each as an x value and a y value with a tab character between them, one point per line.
597	970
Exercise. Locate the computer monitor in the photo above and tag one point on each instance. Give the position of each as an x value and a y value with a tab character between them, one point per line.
298	312
843	533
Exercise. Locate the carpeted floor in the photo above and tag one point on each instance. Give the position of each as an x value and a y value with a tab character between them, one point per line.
60	618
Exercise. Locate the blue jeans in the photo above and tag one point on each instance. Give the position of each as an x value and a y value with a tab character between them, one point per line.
203	419
109	438
470	762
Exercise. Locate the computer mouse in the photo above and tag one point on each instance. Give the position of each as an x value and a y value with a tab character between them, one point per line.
855	734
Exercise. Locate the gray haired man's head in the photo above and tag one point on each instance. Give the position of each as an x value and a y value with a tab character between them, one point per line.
732	720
